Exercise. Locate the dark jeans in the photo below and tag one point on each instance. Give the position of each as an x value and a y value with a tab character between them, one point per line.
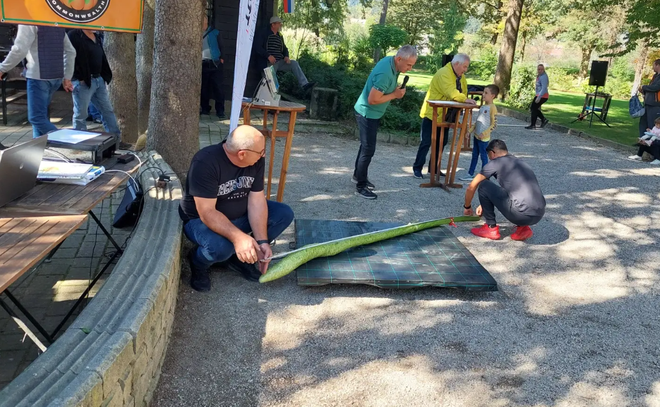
653	149
478	149
536	110
214	248
212	82
648	120
425	143
368	130
493	196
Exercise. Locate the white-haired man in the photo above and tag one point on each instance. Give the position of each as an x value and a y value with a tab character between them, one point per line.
379	90
224	202
448	83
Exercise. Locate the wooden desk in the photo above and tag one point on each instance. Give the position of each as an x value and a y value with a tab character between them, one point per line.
460	131
292	109
33	226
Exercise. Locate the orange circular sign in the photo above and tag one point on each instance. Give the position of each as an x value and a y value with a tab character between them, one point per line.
79	11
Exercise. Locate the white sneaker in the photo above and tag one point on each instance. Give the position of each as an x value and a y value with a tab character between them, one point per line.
655	162
635	158
466	178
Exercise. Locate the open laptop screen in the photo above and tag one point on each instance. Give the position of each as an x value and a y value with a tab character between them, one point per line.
19	165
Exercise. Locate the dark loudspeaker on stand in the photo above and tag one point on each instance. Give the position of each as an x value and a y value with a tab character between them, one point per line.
598	73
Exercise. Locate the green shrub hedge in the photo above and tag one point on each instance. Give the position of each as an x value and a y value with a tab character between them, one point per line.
401	115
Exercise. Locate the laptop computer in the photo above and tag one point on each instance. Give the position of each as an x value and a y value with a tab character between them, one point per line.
19	166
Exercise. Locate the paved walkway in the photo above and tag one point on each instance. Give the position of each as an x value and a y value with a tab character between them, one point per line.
51	289
575	322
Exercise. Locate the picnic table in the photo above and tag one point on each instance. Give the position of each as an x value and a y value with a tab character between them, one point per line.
32	228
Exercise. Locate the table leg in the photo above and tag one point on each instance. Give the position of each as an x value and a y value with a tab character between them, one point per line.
462	132
435	161
454	149
246	116
273	136
285	158
22	324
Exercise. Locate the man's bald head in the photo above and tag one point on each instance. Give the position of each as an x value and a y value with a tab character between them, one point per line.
244	138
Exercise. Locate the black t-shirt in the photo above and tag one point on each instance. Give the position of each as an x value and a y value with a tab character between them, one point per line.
518	179
212	175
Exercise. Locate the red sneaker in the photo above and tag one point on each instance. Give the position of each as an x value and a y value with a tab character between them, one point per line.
488	233
522	233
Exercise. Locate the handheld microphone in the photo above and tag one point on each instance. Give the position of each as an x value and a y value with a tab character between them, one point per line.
405	80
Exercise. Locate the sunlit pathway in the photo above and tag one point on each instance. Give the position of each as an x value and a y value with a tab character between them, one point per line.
575	322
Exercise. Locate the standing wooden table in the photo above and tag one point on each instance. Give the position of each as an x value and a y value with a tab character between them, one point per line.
460	132
292	109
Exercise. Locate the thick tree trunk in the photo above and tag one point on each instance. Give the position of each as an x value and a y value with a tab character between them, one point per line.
383	18
176	82
120	50
640	67
144	52
508	48
584	63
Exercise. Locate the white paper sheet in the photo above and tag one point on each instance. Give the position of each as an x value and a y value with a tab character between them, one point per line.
71	136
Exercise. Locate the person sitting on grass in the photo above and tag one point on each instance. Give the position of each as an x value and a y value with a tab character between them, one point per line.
484	125
650	143
518	197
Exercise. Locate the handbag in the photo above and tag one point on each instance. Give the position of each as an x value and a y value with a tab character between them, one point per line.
635	107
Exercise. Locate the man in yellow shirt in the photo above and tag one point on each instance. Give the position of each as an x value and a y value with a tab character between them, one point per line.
448	83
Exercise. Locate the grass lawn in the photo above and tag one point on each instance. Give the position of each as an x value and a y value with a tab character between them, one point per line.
563	107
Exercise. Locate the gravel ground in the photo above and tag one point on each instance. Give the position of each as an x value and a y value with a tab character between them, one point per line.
575	322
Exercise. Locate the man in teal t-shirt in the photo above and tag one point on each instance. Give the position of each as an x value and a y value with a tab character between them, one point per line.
380	89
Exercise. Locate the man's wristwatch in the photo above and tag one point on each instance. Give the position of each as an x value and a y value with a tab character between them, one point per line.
260	242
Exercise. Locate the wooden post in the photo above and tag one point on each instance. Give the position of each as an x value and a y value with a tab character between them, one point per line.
272	134
285	158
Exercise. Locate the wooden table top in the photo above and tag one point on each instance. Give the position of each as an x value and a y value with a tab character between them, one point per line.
283	107
25	241
50	199
35	223
451	103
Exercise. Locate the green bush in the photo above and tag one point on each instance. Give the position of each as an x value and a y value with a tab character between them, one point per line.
348	83
562	78
403	114
523	80
484	68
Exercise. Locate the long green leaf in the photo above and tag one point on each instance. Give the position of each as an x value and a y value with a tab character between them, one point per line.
295	260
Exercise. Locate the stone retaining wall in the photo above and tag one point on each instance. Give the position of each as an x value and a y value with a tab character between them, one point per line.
111	355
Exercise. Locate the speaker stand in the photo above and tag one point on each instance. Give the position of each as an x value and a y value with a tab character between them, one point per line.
592	112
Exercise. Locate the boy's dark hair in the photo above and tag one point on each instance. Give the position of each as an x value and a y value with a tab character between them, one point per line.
494	89
496	145
656	62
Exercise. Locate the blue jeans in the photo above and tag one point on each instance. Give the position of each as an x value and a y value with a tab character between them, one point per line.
214	248
94	112
39	94
98	95
368	130
478	149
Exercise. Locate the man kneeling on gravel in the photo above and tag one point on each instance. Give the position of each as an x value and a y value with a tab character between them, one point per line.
224	202
518	197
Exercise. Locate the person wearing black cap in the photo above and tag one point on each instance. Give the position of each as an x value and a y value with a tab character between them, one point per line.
271	50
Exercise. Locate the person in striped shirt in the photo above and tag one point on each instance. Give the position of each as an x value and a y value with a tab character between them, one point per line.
271	49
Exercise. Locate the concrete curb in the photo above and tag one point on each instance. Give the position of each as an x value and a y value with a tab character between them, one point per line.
505	111
112	353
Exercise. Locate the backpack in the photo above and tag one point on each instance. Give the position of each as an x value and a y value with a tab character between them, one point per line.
635	107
